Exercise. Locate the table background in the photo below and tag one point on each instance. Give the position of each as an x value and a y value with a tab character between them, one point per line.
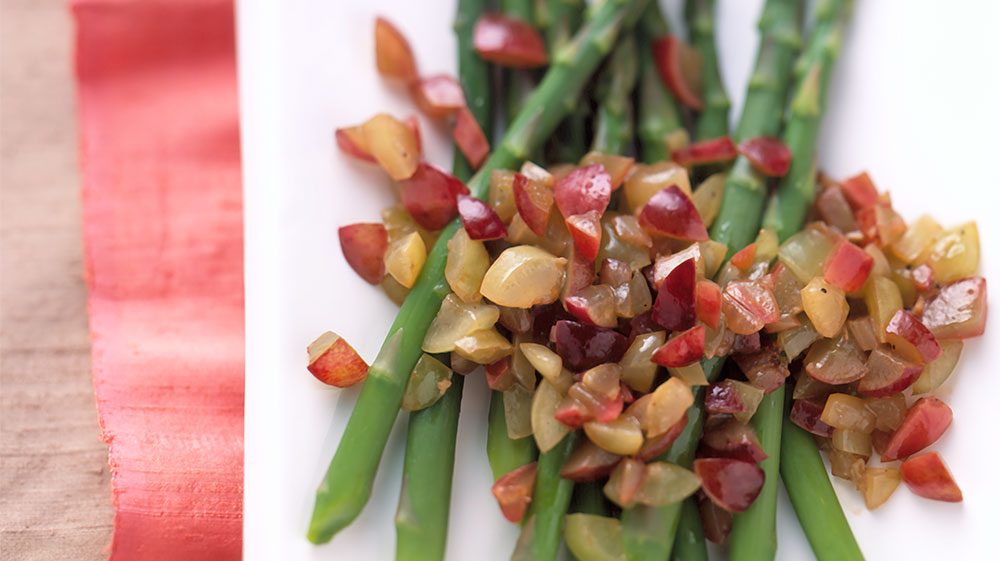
55	500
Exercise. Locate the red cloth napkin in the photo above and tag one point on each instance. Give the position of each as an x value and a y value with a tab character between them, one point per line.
159	135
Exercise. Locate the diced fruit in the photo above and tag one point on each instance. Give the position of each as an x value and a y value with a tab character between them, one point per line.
955	254
516	320
862	332
393	55
584	346
674	307
923	278
806	414
517	411
716	522
586	232
748	307
836	361
707	198
665	264
714	254
364	247
582	405
692	374
860	191
524	276
922	233
484	346
835	210
888	373
479	220
470	138
924	424
398	224
847	466
734	397
769	156
544	426
683	349
797	339
638	370
588	462
805	252
428	382
545	361
584	189
404	258
393	145
889	411
911	339
734	440
826	306
787	290
878	484
743	258
666	484
629	231
648	180
590	537
614	247
847	412
534	202
351	141
513	491
671	213
927	476
714	151
852	442
959	310
395	291
656	445
883	300
847	267
679	66
603	380
508	42
669	403
461	365
501	196
708	303
579	273
938	371
765	368
807	387
438	96
429	195
624	482
732	485
881	224
455	320
594	304
333	361
621	436
618	167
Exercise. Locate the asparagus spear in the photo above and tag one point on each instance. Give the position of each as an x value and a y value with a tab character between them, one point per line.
517	83
713	121
649	532
552	494
659	116
429	461
505	454
560	20
802	470
348	482
613	127
690	536
745	190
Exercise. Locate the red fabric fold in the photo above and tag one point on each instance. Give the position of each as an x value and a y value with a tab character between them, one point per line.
159	133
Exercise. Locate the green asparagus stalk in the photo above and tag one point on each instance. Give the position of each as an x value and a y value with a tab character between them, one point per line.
544	530
659	116
613	127
802	470
746	191
518	84
505	454
589	498
690	536
429	461
560	19
348	482
649	532
713	121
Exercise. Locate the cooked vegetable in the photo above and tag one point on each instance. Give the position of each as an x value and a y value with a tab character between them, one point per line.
713	121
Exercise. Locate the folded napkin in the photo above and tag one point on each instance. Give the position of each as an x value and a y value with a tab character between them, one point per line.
159	135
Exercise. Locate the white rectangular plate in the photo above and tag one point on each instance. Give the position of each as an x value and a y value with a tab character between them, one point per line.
915	100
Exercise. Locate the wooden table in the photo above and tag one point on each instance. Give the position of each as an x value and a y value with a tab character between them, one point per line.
55	502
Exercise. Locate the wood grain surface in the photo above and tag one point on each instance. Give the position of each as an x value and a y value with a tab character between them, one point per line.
55	502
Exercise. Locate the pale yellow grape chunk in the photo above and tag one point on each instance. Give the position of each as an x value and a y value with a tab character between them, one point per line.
852	441
405	258
940	369
594	538
456	319
467	263
955	255
805	252
393	145
825	305
707	198
666	484
546	429
847	412
501	197
714	255
883	299
485	346
692	374
524	276
878	484
669	403
647	180
621	436
517	411
428	382
638	371
917	237
544	359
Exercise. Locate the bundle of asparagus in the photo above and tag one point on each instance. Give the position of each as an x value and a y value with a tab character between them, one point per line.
674	450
